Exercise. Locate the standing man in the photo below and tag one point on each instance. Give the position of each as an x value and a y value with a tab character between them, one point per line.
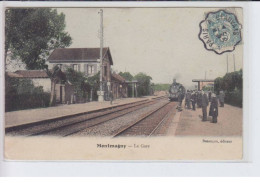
111	97
180	98
187	98
213	111
193	100
199	99
204	105
221	98
209	96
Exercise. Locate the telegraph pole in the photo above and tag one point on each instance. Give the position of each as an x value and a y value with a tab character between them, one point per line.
234	62
227	63
101	92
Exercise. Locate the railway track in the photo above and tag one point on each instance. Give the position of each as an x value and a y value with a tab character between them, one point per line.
148	124
73	124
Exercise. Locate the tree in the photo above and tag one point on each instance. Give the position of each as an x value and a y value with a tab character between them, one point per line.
126	75
207	88
94	84
78	80
161	87
230	82
232	85
144	82
218	84
32	33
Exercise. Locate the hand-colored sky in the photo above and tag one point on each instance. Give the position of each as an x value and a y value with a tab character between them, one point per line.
161	42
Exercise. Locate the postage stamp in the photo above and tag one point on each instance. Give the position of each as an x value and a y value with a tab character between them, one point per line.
220	32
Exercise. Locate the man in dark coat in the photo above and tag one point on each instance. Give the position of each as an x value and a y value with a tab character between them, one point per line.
180	98
209	96
221	98
187	98
196	94
111	97
199	97
213	111
193	100
204	105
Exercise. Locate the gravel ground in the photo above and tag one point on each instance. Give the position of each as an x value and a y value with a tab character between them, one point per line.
164	127
147	125
50	126
75	128
112	126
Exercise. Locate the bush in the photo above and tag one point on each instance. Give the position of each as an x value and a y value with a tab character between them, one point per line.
26	101
22	94
232	85
234	98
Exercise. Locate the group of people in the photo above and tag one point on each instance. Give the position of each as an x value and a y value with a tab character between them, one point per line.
202	99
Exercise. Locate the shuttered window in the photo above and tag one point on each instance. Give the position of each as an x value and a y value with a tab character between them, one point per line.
86	69
75	67
91	69
59	65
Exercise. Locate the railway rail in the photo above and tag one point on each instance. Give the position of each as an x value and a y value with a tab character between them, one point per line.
69	125
149	123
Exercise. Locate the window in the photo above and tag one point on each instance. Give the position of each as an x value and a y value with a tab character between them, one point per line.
105	71
91	69
59	65
75	67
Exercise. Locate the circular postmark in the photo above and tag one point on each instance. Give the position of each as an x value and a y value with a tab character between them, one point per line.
220	32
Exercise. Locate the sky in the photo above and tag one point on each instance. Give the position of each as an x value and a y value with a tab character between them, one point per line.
161	42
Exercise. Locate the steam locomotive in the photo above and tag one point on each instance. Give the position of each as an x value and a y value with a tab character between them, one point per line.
175	90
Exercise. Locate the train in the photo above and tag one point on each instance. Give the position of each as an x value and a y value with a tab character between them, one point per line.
175	90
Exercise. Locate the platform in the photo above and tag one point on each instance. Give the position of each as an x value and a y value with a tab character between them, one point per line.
28	116
189	123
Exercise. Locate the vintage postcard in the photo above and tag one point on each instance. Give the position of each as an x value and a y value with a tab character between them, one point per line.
123	83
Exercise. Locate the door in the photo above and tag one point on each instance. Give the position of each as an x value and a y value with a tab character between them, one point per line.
61	94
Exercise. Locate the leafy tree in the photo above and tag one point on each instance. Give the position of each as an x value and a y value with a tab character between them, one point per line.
207	88
218	84
31	33
129	77
126	75
230	82
232	85
161	87
81	86
93	81
144	82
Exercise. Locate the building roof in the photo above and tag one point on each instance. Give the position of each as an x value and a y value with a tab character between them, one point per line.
31	74
133	81
203	80
13	75
117	77
78	54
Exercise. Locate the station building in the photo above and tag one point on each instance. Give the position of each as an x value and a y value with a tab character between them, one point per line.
87	61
